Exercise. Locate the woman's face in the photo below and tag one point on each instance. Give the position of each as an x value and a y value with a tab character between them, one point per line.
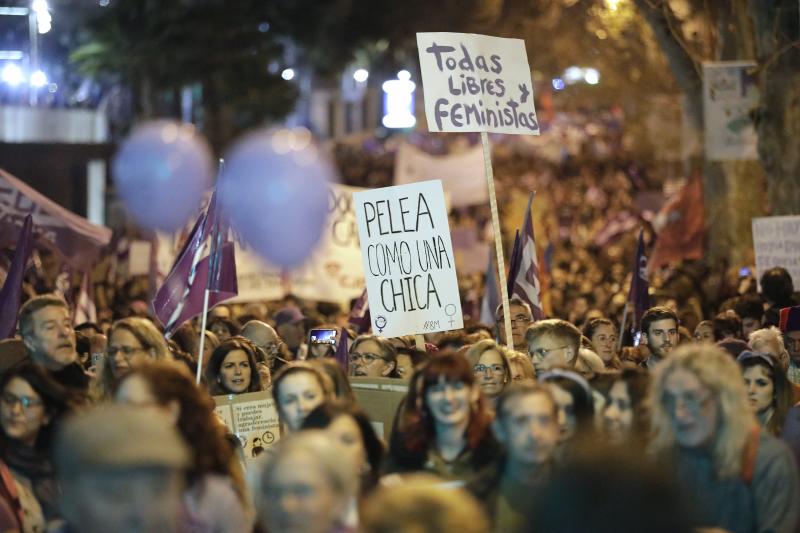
22	412
618	415
345	430
298	394
760	388
297	498
235	372
703	333
125	352
604	339
449	402
490	373
566	413
220	330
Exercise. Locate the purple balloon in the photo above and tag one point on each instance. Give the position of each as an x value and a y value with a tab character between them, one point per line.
161	172
274	191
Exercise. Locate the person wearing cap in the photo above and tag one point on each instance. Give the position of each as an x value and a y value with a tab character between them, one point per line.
789	324
121	469
290	325
769	392
739	478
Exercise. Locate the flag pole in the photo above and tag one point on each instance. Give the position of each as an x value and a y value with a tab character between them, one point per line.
622	327
419	341
498	237
203	318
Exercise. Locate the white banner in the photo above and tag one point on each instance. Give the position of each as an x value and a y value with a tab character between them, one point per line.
332	274
476	83
776	241
730	93
461	174
408	259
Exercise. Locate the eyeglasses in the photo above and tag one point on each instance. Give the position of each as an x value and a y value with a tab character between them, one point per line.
519	319
127	351
11	400
366	358
691	402
544	352
481	368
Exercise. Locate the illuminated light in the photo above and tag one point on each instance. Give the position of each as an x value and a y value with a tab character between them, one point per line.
40	6
591	76
361	75
573	75
287	74
38	79
601	34
281	140
263	27
169	133
104	3
14	55
613	5
44	27
53	87
14	11
299	139
558	84
398	102
12	74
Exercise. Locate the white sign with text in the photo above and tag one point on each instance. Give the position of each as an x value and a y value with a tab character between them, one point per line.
776	241
730	94
476	83
408	259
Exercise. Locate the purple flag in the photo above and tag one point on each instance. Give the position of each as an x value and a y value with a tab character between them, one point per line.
11	293
640	285
526	281
359	318
343	350
75	239
513	263
180	298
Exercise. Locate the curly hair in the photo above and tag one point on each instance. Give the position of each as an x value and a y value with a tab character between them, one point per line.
718	372
218	357
169	382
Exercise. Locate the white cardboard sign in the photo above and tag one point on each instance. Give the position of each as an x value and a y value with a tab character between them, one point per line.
476	83
776	241
730	93
408	259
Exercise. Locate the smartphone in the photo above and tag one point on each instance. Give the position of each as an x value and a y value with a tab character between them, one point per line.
744	272
322	336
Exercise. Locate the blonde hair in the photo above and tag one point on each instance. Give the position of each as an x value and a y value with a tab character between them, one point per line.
770	334
718	372
474	353
522	362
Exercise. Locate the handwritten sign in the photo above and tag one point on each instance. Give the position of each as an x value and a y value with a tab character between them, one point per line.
730	93
776	241
408	259
476	83
253	418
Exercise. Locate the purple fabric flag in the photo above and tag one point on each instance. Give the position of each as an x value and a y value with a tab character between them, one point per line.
526	281
491	299
75	239
360	319
85	309
180	298
343	350
11	293
513	263
640	285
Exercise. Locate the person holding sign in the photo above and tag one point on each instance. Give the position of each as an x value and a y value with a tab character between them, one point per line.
298	388
215	497
373	357
444	426
233	368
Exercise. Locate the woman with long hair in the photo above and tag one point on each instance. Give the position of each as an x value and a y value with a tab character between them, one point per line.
491	367
626	415
444	425
768	389
215	498
297	389
575	402
233	368
31	405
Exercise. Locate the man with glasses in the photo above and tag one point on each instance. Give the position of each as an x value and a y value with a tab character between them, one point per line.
740	478
553	343
45	326
265	337
521	318
373	357
790	327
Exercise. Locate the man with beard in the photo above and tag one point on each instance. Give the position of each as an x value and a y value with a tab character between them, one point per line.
659	333
527	426
45	325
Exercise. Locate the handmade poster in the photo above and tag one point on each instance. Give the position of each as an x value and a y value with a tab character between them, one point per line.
408	259
253	418
776	241
380	398
476	83
730	93
461	174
